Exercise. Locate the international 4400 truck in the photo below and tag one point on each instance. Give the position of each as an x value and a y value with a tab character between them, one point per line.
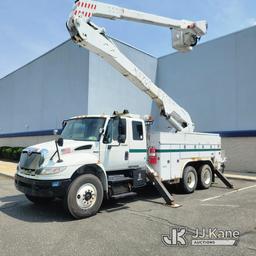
110	156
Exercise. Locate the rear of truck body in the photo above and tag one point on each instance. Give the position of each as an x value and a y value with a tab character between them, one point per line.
176	150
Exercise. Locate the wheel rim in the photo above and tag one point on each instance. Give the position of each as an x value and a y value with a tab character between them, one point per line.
206	176
191	180
86	196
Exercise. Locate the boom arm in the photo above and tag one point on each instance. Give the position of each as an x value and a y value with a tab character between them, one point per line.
86	34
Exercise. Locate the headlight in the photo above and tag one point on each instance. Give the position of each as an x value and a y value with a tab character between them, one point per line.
53	170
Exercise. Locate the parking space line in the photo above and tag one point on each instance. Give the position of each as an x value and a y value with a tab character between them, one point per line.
228	193
221	205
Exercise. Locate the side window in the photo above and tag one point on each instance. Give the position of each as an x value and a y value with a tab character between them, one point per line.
112	132
137	130
119	131
123	128
115	129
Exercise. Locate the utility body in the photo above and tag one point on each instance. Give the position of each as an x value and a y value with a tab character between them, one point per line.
111	156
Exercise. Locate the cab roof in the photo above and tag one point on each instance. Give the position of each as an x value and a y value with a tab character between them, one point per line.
107	116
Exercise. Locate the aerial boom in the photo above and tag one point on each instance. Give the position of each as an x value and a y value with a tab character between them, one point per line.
86	34
113	12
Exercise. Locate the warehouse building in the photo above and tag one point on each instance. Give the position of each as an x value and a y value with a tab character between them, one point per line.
215	83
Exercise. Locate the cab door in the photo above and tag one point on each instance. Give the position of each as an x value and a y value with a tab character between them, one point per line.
115	154
138	144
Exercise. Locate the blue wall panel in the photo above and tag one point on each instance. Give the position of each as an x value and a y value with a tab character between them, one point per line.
41	94
215	83
109	90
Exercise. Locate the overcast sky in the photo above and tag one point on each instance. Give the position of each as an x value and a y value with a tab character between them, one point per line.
30	28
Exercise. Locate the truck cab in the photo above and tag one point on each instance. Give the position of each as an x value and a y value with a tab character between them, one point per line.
109	154
119	141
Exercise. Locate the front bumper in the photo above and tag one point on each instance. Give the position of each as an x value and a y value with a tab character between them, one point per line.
42	188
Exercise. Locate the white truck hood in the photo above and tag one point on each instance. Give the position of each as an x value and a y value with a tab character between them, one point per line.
70	152
68	144
39	157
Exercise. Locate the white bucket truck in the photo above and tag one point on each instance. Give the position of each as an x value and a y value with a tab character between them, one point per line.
112	155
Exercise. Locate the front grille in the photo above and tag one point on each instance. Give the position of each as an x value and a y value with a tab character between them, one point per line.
31	161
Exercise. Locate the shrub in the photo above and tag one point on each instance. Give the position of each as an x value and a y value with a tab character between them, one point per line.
16	153
2	151
10	153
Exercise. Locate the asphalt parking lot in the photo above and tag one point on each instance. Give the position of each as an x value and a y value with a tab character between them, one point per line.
131	226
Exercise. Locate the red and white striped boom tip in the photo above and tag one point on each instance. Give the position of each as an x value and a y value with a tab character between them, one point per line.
84	8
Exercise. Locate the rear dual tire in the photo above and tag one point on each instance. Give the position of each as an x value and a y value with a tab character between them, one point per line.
193	179
204	176
189	180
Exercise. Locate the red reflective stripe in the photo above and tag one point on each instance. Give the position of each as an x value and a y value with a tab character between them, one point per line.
95	6
89	15
85	14
89	5
75	12
78	4
85	5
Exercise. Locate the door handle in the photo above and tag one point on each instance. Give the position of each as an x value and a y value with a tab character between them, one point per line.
126	155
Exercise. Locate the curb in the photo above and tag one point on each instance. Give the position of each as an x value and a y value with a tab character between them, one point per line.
7	175
240	177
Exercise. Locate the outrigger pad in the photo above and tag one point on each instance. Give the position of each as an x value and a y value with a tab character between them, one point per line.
173	205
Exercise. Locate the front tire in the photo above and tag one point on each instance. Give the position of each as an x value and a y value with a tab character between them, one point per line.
39	200
204	176
84	196
189	180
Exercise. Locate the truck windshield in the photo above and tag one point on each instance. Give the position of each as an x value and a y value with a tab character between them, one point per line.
85	129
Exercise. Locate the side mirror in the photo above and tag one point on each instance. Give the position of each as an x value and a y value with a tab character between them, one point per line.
121	139
107	139
60	142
